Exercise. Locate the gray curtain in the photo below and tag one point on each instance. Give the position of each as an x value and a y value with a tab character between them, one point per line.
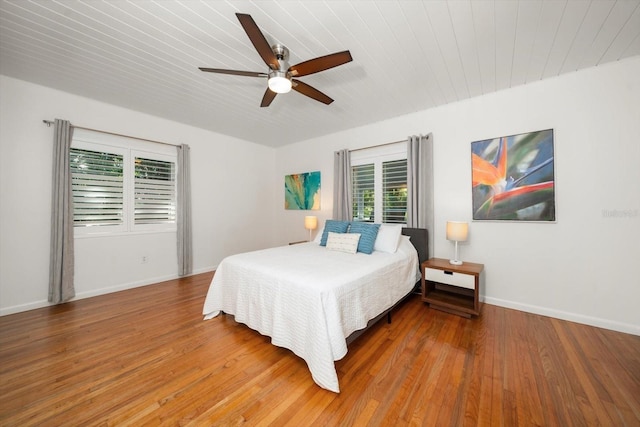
185	244
61	255
420	184
342	186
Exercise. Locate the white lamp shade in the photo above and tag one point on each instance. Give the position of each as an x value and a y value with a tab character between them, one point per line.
310	222
279	84
457	231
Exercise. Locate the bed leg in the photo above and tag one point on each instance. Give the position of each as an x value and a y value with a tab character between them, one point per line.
389	317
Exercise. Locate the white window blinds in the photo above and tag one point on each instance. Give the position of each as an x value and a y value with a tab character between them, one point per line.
154	191
122	185
97	186
363	191
394	191
379	184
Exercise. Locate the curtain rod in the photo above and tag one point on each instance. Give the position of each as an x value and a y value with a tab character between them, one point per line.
50	122
379	145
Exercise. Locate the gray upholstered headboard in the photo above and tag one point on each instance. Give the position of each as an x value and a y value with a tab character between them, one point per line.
420	240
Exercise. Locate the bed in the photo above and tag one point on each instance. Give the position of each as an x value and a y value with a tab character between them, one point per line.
312	300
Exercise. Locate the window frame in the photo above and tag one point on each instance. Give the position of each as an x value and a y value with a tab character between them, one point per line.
377	156
129	148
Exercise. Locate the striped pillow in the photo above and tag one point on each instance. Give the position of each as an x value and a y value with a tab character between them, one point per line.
368	235
343	242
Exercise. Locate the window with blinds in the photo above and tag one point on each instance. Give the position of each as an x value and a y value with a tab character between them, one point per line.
97	186
363	191
394	191
379	184
121	185
154	191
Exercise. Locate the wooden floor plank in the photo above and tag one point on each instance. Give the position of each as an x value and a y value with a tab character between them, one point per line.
145	357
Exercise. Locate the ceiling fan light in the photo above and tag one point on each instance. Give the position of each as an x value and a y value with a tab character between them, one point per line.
279	84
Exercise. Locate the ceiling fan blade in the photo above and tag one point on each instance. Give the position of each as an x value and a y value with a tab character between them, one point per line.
269	96
258	40
310	91
234	72
320	64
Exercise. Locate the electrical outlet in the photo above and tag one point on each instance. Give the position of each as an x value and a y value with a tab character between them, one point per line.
145	259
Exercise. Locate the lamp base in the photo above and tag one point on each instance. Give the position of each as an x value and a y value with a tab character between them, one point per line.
455	260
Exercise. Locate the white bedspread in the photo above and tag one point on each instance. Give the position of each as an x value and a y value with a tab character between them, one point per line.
310	299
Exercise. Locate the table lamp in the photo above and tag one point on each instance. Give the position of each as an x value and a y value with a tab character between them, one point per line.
310	223
457	232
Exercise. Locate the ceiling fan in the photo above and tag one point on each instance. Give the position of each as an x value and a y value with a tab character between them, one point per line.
281	75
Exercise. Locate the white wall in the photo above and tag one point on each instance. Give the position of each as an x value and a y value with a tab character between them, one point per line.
579	268
232	206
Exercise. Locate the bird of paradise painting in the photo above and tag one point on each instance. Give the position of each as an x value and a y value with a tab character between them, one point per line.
513	177
302	191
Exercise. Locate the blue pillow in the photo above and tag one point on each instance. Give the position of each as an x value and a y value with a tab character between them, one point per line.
368	233
333	226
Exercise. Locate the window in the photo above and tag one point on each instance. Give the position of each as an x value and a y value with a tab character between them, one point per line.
121	184
154	191
97	184
394	191
362	178
379	184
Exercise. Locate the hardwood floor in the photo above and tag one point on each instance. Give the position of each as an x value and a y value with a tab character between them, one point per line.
146	357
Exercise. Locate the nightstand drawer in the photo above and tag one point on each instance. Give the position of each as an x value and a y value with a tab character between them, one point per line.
450	278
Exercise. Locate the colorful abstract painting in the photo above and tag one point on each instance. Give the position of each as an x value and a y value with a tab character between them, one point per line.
513	177
302	191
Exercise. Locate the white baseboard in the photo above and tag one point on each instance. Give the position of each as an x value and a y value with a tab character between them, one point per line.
558	314
203	270
564	315
23	307
96	292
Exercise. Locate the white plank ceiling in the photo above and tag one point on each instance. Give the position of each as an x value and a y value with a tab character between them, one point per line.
407	55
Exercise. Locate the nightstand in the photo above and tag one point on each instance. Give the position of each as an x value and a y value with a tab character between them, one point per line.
452	288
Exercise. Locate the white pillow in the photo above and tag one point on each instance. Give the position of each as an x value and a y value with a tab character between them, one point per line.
388	238
343	242
318	236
